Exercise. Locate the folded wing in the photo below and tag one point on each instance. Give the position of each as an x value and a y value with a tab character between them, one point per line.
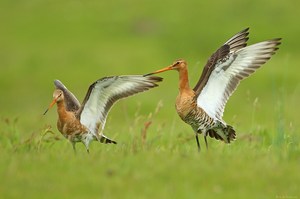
71	102
103	93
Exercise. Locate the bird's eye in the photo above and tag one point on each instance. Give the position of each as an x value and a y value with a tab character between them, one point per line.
177	63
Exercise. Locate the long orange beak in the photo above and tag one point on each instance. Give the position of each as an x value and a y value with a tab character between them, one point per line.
160	71
50	106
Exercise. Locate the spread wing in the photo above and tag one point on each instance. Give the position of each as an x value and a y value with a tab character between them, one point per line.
227	72
103	93
71	102
237	42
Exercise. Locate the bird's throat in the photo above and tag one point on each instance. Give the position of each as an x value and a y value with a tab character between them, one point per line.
61	109
183	80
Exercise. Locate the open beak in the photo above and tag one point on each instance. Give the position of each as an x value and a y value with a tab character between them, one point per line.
50	106
160	71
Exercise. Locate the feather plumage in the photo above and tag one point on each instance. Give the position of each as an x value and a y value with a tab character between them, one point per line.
103	93
229	71
81	123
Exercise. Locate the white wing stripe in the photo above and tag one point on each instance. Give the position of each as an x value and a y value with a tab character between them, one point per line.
105	92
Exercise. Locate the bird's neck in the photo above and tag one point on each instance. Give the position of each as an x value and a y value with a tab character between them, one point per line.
61	110
183	80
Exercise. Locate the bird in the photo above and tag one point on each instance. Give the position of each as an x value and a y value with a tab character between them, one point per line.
202	107
85	122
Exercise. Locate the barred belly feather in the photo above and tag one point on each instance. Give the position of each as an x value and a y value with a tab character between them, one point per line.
202	123
199	120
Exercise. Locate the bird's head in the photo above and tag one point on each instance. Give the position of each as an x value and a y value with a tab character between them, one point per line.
177	65
57	97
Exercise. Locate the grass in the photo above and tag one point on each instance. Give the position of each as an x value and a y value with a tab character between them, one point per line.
147	162
156	156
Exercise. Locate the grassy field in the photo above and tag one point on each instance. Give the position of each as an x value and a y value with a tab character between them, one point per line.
79	42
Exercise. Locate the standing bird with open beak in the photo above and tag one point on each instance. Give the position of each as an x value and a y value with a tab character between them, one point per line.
85	123
202	107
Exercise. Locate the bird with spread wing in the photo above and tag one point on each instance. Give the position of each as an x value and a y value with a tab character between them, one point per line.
202	107
85	123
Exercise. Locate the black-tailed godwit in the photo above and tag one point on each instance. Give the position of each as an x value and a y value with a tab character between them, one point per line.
202	107
85	123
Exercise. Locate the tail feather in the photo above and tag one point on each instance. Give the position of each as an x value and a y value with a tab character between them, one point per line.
106	140
225	134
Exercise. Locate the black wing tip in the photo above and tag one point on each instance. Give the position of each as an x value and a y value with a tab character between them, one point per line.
245	33
277	41
153	78
239	40
245	30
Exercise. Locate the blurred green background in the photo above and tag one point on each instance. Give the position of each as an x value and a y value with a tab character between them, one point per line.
79	42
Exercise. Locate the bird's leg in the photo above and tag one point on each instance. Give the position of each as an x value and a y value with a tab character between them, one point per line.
198	144
205	135
205	141
74	148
